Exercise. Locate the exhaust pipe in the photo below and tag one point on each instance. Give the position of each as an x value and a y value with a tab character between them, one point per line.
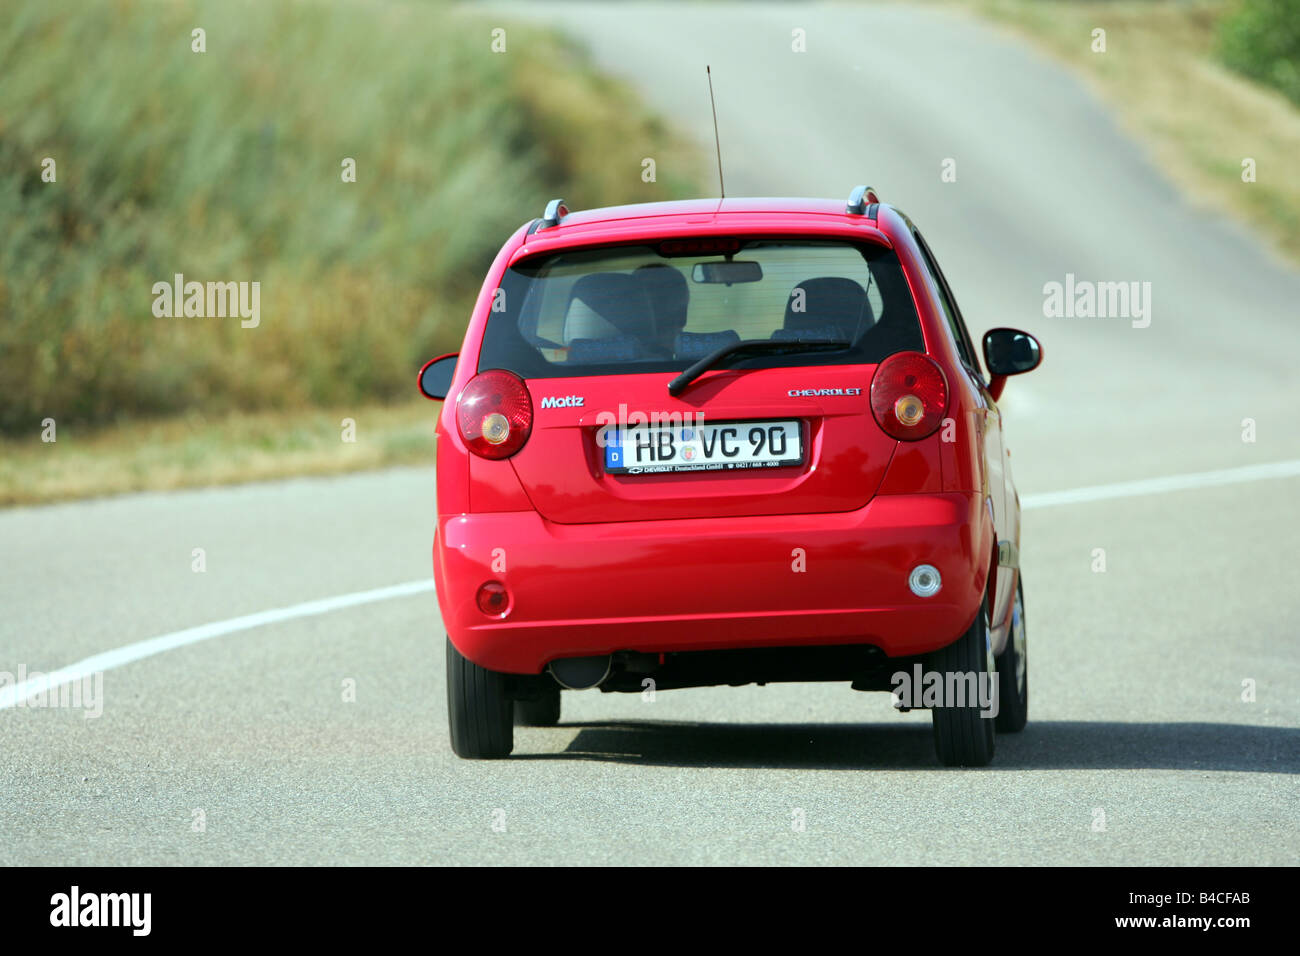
581	673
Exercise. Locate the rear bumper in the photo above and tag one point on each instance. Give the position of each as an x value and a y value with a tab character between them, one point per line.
712	584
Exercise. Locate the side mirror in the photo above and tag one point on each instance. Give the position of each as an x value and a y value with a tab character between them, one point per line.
1009	352
436	375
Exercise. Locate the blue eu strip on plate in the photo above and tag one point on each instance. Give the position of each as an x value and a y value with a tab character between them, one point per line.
613	449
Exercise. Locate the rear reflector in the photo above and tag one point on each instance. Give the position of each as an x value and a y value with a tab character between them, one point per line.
493	598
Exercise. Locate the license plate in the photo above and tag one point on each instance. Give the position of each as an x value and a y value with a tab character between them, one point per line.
726	446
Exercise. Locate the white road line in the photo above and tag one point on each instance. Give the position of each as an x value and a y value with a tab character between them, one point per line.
11	694
1159	486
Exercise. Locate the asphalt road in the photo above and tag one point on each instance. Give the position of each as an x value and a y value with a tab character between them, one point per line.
1140	748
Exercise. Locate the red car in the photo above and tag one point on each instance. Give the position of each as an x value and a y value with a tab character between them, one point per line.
727	442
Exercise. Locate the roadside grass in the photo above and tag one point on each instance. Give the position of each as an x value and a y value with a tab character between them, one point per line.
1198	119
190	450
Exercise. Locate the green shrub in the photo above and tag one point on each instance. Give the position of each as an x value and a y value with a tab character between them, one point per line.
1261	39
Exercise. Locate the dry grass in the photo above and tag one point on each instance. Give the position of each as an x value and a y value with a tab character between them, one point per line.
191	451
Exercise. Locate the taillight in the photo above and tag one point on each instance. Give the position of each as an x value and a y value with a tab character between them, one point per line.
909	395
494	414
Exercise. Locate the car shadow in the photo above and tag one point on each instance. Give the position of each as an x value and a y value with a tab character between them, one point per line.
1043	745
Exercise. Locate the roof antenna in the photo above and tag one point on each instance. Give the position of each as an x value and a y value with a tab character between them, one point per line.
722	187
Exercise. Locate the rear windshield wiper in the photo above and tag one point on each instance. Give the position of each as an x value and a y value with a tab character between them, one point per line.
678	385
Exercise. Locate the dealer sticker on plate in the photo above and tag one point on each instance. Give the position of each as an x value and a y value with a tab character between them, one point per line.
653	449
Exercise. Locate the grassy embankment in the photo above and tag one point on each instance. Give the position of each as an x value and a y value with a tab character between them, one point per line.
226	166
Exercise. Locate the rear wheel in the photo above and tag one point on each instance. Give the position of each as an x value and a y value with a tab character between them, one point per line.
479	710
1013	671
962	735
542	711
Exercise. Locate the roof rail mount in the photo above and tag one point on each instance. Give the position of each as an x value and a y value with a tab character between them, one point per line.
859	199
555	211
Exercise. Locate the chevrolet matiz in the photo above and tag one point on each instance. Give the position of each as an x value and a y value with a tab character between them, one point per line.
727	442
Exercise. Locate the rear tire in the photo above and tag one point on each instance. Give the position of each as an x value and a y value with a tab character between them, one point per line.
962	736
479	711
1013	671
543	711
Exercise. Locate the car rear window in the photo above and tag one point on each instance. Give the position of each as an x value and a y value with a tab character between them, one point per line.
661	307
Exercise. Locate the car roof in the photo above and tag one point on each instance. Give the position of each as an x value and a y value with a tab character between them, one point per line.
558	226
715	208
